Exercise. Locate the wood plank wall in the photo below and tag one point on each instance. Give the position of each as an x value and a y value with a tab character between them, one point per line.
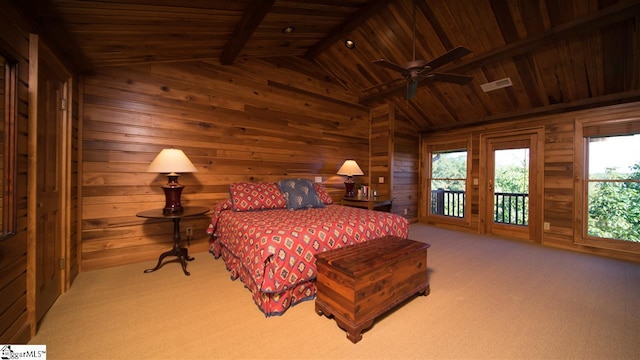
395	156
72	255
382	121
406	164
257	120
14	322
560	175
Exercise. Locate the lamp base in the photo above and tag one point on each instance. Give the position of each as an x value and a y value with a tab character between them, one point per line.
348	186
172	193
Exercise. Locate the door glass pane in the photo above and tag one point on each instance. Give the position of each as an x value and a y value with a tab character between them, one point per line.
448	183
614	187
511	186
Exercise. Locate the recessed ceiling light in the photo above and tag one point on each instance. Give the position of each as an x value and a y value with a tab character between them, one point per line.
350	44
288	30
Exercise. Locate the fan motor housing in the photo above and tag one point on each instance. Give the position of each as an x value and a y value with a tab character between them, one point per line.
417	65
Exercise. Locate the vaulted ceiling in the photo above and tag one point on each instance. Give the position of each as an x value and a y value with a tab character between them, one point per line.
559	55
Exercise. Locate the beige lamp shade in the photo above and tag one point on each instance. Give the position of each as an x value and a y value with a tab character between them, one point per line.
171	161
350	168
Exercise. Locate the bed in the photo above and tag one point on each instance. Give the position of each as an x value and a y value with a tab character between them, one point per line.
268	237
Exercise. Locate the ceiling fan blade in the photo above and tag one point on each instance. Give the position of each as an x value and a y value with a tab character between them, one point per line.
412	87
451	78
449	56
390	65
385	85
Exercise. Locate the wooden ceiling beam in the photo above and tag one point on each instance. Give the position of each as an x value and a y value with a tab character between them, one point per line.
371	9
590	103
607	16
250	21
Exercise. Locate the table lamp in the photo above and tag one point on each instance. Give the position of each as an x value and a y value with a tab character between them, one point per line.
349	168
172	162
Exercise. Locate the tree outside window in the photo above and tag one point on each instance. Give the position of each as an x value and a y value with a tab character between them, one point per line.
448	183
614	187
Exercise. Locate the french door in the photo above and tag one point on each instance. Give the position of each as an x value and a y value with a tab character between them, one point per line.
511	186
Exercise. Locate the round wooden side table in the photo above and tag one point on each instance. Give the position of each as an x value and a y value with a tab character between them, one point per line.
180	252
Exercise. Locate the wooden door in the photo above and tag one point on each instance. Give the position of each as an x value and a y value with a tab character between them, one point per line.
49	180
511	186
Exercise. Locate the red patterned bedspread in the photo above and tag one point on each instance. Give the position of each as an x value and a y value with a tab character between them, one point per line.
276	248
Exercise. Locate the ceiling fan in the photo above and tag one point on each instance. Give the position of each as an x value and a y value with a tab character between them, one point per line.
415	70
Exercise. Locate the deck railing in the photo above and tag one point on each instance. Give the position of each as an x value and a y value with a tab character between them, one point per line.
448	202
509	208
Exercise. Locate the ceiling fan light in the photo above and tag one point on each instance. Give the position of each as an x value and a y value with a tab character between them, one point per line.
288	30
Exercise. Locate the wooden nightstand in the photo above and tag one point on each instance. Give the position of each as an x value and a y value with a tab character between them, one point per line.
181	253
375	203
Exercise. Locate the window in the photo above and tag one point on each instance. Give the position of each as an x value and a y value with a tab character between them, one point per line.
447	182
610	190
7	147
613	187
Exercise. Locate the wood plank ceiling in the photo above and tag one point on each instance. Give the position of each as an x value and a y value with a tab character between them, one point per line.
559	55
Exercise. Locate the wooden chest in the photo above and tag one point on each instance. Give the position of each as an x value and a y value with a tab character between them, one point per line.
358	283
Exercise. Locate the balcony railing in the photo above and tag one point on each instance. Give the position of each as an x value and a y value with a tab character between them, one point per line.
509	208
448	202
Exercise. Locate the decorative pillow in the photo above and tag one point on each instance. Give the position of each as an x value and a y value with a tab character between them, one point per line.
300	193
323	194
256	196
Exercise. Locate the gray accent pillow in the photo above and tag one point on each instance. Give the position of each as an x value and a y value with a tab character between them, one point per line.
300	194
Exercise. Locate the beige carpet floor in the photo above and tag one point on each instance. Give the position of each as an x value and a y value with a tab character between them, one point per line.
490	299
